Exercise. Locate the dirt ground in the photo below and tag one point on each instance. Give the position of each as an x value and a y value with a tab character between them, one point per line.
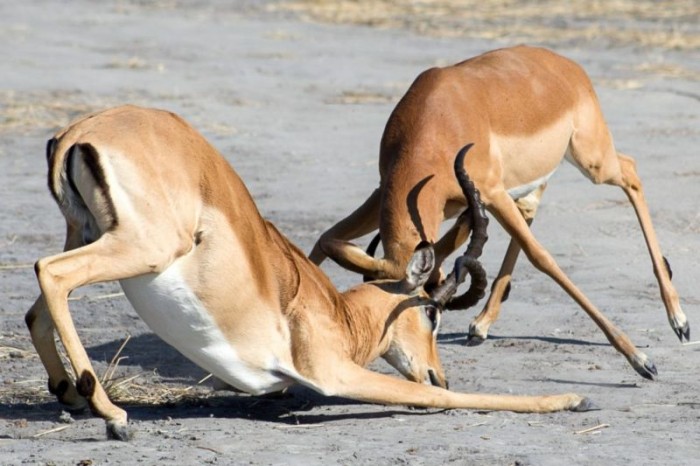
296	95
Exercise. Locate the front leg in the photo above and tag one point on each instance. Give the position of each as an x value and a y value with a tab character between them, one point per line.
478	329
506	212
109	258
352	381
333	242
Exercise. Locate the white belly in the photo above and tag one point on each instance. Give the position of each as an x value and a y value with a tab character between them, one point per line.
172	310
521	191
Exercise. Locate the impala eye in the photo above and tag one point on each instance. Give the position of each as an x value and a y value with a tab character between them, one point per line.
433	314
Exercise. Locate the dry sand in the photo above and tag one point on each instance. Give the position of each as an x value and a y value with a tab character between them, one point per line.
298	108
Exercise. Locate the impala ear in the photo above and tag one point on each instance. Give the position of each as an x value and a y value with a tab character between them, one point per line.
420	266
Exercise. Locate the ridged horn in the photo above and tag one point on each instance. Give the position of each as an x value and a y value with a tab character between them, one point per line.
468	263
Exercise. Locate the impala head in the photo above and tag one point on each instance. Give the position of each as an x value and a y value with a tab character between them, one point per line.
414	322
475	217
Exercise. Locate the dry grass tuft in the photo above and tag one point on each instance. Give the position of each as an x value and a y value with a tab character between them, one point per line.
656	23
27	112
362	97
130	392
48	111
669	70
15	266
127	390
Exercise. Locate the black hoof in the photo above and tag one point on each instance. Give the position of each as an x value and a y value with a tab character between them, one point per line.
683	332
474	340
118	432
645	368
585	405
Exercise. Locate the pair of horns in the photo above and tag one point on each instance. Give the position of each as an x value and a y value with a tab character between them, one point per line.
467	263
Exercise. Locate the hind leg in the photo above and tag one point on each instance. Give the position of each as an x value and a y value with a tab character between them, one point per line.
109	258
632	186
478	329
41	330
507	213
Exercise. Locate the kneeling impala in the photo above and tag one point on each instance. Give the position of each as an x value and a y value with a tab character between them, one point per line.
525	110
149	202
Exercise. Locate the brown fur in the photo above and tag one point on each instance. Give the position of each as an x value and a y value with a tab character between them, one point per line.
524	109
178	201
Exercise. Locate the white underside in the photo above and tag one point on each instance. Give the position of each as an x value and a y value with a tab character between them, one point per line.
175	313
522	191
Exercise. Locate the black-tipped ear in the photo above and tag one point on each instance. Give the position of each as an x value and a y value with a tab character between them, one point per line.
420	266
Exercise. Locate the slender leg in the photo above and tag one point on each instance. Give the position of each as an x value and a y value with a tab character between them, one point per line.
106	259
507	213
355	382
450	242
632	186
478	329
41	330
333	243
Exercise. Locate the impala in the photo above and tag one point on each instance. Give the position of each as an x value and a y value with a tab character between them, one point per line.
148	202
525	110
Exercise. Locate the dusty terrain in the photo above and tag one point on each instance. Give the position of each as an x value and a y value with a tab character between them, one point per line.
296	94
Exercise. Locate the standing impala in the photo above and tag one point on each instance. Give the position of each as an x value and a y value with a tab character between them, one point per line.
525	109
149	202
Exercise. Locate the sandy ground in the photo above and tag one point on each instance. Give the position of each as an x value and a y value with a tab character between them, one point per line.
298	108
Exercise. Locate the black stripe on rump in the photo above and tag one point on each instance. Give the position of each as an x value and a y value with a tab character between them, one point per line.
50	149
92	161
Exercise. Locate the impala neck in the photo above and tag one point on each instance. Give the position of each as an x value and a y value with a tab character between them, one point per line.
360	314
368	310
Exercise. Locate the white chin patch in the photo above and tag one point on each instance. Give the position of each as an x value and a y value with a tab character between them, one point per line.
398	360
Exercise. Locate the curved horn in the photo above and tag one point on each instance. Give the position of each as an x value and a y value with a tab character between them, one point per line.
371	249
467	263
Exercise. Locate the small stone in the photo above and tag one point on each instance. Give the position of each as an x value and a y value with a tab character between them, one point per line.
66	418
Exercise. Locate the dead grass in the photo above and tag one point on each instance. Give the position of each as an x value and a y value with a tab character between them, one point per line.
669	70
135	63
48	111
26	112
362	97
129	389
656	23
133	389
